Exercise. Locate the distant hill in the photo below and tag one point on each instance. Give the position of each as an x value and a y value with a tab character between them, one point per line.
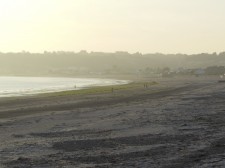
70	63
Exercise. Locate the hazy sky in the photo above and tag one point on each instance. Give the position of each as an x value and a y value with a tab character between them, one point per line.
148	26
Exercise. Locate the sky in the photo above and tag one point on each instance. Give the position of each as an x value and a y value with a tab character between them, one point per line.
146	26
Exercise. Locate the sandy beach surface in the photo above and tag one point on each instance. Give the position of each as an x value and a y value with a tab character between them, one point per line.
176	123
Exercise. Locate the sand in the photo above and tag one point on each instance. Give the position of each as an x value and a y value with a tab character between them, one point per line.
177	123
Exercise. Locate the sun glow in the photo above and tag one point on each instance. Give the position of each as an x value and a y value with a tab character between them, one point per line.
98	25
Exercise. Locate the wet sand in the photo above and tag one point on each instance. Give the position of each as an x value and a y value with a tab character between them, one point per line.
177	123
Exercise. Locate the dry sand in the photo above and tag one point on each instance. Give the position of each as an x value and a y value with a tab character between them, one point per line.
178	123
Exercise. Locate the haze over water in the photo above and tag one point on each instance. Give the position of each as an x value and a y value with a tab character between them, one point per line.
18	86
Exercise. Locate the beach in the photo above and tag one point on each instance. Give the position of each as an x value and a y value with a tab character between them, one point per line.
173	122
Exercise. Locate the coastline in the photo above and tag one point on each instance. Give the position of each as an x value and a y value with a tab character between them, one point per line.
11	107
15	86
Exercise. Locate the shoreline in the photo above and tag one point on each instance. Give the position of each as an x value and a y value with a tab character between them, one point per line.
70	84
50	100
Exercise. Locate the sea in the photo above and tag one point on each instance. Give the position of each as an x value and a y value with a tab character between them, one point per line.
21	86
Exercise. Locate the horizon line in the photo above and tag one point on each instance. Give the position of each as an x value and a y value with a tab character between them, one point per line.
119	51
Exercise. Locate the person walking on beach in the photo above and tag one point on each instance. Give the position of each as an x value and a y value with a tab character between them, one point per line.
145	85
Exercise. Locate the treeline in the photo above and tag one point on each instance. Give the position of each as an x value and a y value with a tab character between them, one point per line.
71	63
215	70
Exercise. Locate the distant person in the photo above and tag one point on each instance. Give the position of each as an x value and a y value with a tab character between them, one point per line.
145	85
